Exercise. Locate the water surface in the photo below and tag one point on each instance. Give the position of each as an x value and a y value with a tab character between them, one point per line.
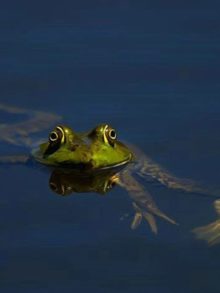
153	73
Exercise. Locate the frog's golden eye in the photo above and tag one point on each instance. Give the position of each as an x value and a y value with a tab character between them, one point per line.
110	135
56	138
53	136
57	135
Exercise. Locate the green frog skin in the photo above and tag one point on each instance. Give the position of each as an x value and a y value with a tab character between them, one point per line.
95	150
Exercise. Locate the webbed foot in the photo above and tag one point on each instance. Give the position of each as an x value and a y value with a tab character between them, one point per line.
149	216
139	215
211	232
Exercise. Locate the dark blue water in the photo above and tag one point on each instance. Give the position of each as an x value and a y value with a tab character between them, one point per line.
152	71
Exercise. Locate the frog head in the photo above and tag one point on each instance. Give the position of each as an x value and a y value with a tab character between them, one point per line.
96	149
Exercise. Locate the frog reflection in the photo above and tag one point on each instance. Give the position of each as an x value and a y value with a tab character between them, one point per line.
210	232
65	182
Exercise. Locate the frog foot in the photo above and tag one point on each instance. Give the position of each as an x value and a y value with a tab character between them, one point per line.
139	215
149	216
211	232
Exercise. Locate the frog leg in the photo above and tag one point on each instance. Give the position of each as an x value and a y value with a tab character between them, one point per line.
167	179
19	159
144	205
18	133
146	169
210	232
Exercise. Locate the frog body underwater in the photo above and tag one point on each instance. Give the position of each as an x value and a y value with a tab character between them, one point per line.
91	153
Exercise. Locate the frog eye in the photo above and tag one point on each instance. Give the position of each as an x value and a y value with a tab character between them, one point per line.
110	135
56	138
57	135
53	136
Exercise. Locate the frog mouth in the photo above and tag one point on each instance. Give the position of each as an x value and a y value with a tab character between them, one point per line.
118	165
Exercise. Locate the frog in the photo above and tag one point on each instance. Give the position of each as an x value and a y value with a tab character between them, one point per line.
91	161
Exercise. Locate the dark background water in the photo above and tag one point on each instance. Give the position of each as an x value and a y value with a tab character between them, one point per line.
151	70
